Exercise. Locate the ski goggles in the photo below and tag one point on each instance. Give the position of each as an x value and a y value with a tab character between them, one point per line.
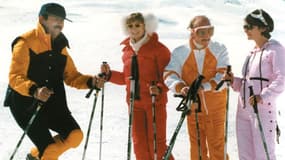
260	17
203	30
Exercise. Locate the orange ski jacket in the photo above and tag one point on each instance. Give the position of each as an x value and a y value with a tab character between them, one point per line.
153	56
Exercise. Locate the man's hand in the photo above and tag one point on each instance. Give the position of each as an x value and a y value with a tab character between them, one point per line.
98	82
43	94
184	91
228	77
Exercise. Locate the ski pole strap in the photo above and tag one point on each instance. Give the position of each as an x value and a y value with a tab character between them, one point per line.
191	95
251	93
135	75
182	105
195	87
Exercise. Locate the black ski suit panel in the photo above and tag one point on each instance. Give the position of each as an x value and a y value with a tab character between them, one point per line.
61	122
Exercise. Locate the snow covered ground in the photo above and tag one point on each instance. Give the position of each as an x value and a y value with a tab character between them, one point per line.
94	37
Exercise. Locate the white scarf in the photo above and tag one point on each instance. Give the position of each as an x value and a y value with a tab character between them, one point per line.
137	45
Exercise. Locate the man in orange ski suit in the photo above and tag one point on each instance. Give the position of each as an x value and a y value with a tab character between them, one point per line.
210	59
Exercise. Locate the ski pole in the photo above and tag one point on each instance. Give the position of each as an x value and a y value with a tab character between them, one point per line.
173	138
102	114
130	122
101	121
227	115
251	93
39	106
154	122
184	106
198	109
134	79
91	119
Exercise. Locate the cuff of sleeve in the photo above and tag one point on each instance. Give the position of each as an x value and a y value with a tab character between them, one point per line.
179	86
32	90
207	86
89	83
264	96
213	83
108	76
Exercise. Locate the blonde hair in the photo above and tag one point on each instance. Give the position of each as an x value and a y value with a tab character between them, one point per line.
133	17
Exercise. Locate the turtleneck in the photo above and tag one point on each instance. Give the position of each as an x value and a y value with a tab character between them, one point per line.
137	45
198	46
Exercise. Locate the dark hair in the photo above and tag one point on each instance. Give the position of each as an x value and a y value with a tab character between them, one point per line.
261	19
135	17
45	16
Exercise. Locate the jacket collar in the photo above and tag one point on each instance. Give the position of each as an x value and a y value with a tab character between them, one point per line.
61	41
152	38
43	36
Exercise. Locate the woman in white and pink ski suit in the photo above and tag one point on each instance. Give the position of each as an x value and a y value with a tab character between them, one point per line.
264	70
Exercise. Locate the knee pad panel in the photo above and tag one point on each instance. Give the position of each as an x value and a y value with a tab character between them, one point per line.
74	138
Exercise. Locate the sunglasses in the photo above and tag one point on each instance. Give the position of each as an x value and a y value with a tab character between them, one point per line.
203	30
248	26
134	25
260	17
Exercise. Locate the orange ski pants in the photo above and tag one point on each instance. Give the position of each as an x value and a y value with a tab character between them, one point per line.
142	132
211	128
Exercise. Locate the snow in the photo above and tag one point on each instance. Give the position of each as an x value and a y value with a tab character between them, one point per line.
94	37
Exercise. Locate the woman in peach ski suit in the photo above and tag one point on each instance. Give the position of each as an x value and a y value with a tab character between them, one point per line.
152	58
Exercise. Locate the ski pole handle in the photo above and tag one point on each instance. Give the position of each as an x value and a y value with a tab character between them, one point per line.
229	68
90	91
251	93
153	83
101	75
194	90
220	84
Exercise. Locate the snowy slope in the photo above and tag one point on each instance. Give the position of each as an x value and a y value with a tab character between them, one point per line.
94	37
